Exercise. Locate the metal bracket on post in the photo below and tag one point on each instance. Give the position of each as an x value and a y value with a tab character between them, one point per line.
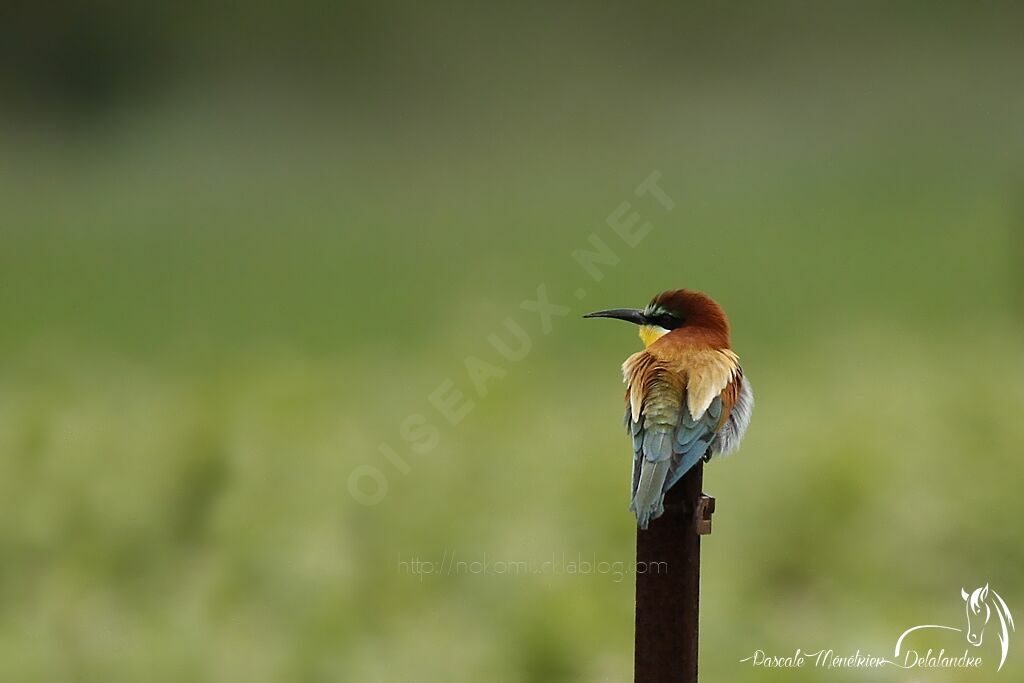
702	514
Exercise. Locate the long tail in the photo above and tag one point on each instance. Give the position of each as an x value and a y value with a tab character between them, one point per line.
648	500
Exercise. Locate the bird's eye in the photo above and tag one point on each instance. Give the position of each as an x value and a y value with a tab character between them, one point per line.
669	321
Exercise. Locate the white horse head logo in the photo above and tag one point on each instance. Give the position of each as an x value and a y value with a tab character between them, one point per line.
980	604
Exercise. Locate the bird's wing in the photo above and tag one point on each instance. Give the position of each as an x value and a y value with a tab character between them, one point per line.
738	401
673	411
692	440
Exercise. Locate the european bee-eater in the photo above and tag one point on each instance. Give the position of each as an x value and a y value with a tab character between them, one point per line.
686	396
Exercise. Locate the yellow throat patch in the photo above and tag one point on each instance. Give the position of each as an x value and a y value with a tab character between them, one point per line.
651	333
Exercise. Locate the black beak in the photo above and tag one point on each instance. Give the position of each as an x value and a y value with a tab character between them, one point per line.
631	315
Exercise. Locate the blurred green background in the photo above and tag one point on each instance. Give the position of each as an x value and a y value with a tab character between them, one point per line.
240	245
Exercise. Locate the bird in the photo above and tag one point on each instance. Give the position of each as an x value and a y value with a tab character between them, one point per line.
687	398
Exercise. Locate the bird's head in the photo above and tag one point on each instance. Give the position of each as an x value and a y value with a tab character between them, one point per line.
674	310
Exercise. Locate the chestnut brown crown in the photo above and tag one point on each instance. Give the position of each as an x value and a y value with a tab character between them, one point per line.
686	308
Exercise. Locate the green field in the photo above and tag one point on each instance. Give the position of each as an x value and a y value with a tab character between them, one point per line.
217	302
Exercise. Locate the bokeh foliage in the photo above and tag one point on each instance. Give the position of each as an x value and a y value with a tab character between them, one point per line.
239	247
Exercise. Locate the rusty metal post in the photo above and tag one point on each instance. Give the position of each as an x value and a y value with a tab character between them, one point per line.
668	585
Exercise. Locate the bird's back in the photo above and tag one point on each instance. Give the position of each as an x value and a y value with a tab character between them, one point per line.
681	392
